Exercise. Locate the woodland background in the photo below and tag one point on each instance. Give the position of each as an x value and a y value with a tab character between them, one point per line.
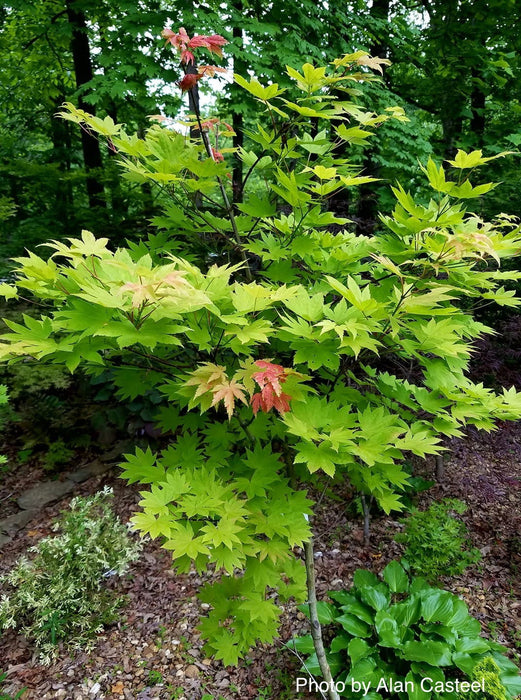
455	70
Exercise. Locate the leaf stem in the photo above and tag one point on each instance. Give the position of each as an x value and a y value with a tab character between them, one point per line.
227	205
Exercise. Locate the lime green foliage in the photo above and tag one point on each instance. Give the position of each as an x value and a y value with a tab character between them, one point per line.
363	343
436	542
59	595
488	671
402	629
215	506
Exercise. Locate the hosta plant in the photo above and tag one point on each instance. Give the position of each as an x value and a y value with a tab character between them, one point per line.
397	637
290	353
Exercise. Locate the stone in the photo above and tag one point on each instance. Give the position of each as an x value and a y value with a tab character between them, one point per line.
191	671
44	493
16	522
80	475
116	453
99	467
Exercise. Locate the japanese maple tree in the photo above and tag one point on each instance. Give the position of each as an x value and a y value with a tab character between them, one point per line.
290	353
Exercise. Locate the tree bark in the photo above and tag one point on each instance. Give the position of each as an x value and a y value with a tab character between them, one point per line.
82	61
61	141
477	106
316	630
367	204
239	67
367	520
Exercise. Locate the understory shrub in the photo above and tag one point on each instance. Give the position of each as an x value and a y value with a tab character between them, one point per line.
436	542
59	595
397	629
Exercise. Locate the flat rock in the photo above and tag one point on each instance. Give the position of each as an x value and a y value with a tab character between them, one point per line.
17	521
80	475
4	539
119	448
45	492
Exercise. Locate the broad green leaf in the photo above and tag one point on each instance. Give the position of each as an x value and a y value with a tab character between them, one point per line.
395	577
358	649
433	653
354	625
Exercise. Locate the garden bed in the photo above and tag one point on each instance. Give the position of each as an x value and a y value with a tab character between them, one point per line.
154	652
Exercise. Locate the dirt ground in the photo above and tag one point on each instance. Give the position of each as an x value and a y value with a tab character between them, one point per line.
154	652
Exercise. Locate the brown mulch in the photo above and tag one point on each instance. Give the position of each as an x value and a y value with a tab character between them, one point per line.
154	652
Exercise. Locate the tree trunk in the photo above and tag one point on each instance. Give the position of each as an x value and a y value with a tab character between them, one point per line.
316	630
62	148
477	105
239	67
367	203
367	520
81	57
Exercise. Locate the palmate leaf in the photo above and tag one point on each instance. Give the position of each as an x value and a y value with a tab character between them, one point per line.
141	467
317	457
183	542
147	523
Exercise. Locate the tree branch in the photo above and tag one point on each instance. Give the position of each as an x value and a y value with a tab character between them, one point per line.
39	36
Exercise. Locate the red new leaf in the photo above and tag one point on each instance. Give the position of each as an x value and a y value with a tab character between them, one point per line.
270	380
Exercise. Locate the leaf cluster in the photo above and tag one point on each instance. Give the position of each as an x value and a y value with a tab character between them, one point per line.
367	339
215	505
436	542
403	630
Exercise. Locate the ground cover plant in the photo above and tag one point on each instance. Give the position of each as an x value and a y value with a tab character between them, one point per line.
290	353
398	631
436	542
59	596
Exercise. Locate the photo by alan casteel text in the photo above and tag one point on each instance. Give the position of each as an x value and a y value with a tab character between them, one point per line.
390	686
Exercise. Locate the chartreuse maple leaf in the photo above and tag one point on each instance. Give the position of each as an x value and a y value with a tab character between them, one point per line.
141	467
317	457
155	526
183	541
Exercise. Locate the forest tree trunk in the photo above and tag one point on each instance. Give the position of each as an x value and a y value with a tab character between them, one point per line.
81	57
367	202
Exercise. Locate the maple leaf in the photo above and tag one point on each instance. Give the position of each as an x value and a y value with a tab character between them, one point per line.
271	395
150	289
178	40
217	155
210	71
206	377
182	42
228	392
189	81
213	43
268	399
373	62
